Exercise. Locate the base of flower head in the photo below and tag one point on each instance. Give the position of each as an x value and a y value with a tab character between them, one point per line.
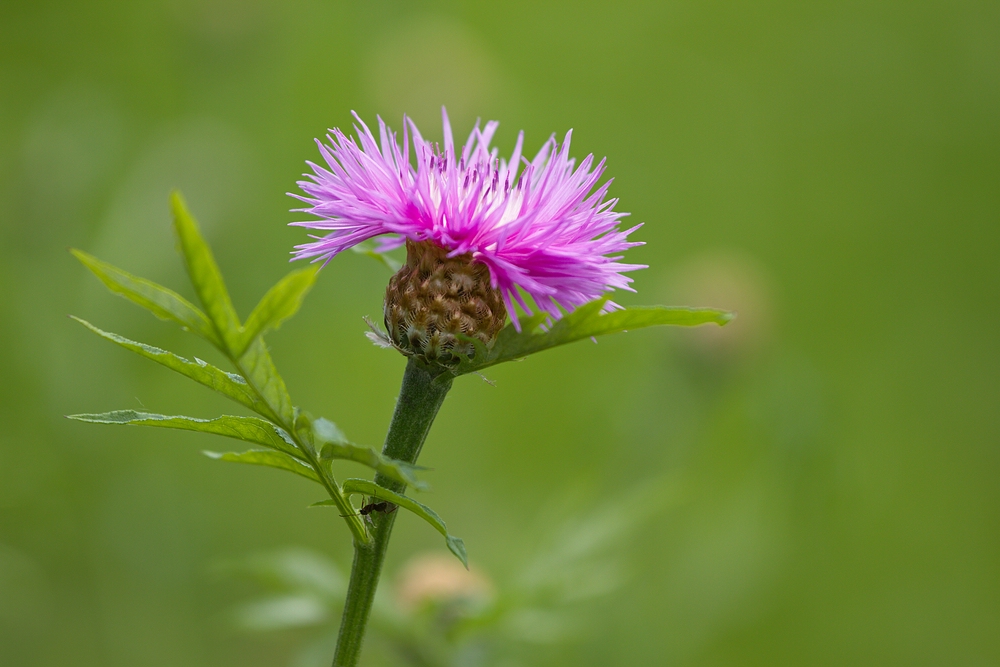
436	303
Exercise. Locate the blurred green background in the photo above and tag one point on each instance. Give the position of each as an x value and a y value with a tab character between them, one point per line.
830	170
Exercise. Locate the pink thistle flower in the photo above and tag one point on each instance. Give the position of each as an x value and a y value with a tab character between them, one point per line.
547	230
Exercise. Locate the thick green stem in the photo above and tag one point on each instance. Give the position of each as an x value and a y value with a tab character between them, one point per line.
420	398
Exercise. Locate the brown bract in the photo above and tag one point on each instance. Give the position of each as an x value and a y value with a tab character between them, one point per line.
435	300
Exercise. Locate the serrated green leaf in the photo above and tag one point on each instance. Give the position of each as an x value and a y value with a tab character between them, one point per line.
264	457
368	248
258	368
587	321
248	429
205	275
281	302
230	385
367	487
162	302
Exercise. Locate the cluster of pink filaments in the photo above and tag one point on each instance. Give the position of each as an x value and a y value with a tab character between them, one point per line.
547	232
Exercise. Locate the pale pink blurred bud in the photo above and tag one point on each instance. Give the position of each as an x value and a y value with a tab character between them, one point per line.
439	578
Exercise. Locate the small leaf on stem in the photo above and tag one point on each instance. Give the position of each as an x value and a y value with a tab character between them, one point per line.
326	437
263	457
280	303
367	487
398	471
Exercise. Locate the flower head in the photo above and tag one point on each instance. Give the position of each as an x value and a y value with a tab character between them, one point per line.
543	227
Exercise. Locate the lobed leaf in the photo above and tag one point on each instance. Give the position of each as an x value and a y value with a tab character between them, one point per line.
280	303
162	302
367	487
205	275
248	429
264	457
587	321
230	385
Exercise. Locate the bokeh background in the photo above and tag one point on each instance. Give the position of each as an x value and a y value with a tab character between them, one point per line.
831	170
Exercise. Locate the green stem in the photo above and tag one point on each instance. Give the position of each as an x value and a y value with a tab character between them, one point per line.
420	398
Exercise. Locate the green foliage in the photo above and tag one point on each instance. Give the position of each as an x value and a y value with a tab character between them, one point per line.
307	588
230	385
258	369
205	275
295	442
262	457
326	438
587	321
280	303
399	471
325	431
363	486
247	429
162	302
545	597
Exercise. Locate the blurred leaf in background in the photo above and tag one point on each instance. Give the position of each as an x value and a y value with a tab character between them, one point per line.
440	614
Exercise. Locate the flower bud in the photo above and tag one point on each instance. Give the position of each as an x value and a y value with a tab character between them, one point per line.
435	578
435	300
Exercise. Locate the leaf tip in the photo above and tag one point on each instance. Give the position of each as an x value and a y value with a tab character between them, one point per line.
88	418
180	210
92	263
457	547
726	317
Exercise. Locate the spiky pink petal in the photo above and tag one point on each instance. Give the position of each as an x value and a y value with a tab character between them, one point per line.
546	229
